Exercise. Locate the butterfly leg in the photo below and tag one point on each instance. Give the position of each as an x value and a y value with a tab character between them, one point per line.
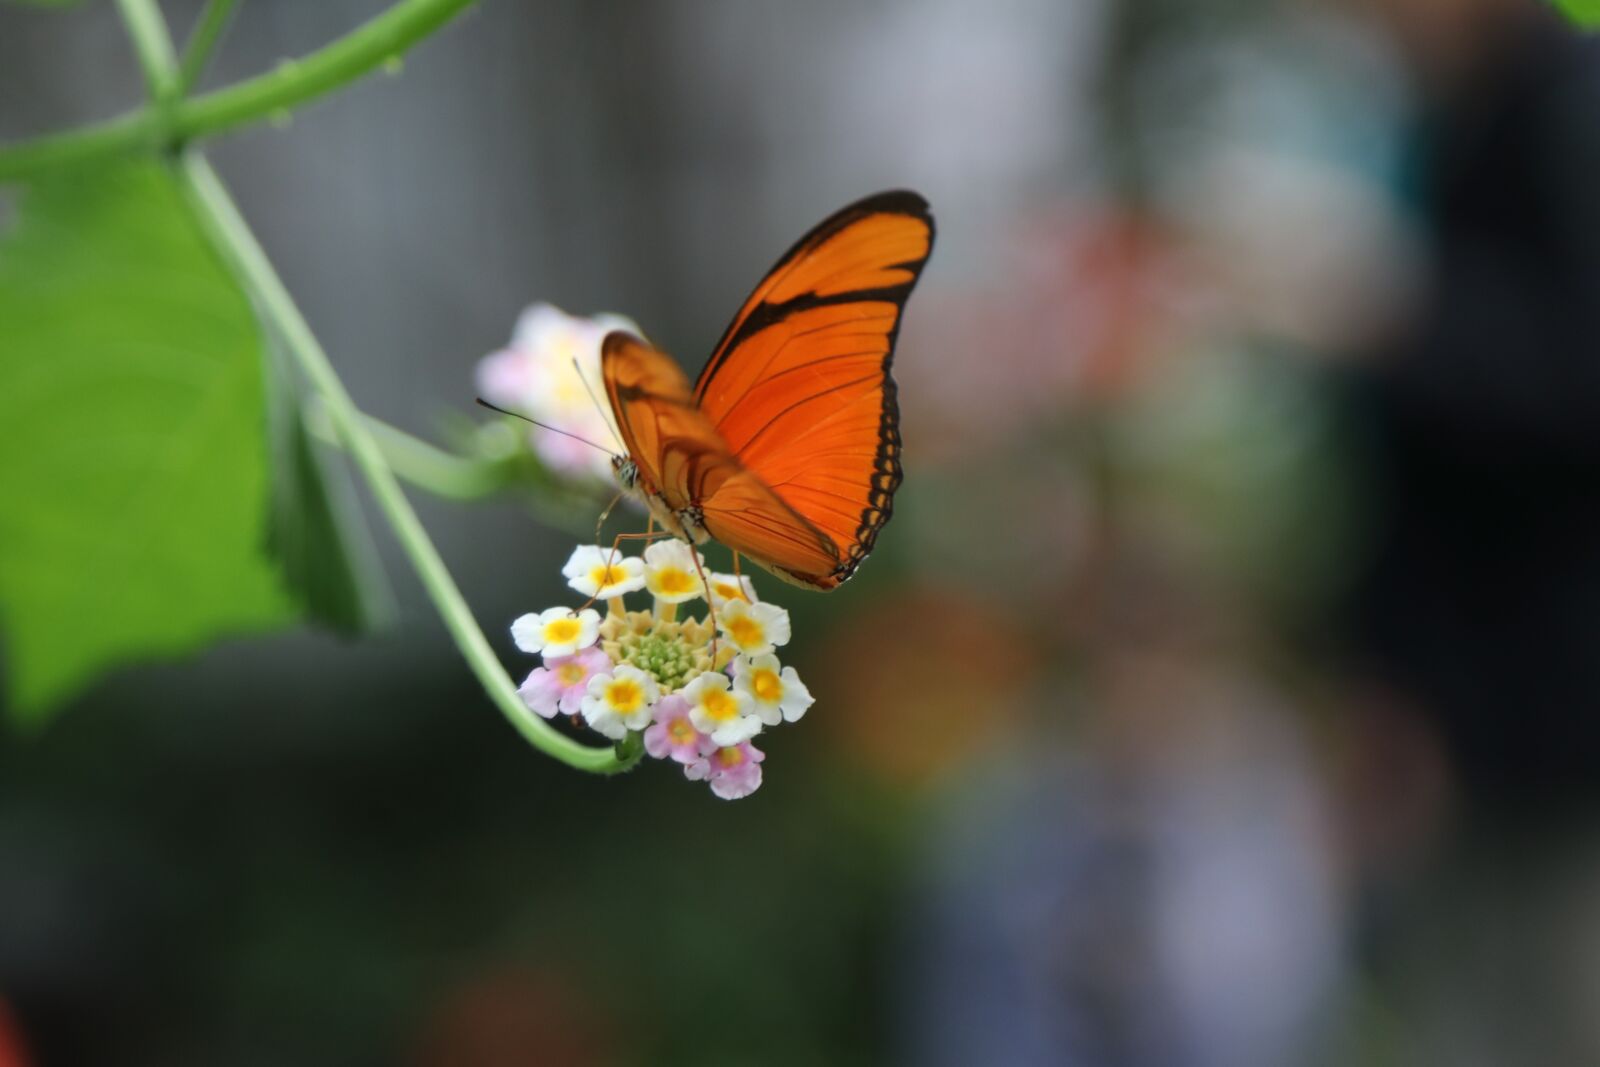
736	575
650	534
711	609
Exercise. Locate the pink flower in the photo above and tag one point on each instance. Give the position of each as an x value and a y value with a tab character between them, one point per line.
735	770
550	372
673	736
561	683
506	377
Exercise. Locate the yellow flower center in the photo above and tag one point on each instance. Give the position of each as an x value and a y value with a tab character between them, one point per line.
607	574
730	757
570	674
561	631
730	591
680	731
719	705
565	349
625	696
766	685
673	581
745	631
569	391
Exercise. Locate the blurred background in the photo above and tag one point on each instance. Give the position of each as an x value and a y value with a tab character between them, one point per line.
1223	693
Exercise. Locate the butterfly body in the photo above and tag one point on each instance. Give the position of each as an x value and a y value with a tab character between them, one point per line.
787	448
686	524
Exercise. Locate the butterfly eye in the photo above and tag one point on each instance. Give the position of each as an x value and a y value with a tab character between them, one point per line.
626	472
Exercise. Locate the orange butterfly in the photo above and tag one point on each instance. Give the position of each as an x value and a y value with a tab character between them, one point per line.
787	449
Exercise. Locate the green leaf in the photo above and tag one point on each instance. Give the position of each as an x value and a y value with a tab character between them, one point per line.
1582	13
316	529
134	480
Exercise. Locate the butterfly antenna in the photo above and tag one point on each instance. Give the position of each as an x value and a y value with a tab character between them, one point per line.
605	418
543	426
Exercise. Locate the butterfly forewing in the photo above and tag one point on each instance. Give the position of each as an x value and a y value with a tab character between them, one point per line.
799	386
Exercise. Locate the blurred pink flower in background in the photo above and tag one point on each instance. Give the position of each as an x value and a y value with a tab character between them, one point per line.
1084	297
542	375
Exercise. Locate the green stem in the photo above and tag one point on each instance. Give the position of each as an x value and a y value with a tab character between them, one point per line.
238	245
424	465
294	82
202	41
138	130
153	44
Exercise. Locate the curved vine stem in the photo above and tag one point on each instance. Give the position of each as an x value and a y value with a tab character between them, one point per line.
294	82
237	245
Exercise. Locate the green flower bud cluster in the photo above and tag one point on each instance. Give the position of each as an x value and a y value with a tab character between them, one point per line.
664	657
672	651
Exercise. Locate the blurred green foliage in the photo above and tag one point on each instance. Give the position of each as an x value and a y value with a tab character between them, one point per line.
1585	13
133	444
423	888
1239	448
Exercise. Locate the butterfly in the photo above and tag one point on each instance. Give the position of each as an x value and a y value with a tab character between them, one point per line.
787	447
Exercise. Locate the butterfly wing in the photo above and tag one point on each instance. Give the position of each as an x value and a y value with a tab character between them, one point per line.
685	461
799	387
655	413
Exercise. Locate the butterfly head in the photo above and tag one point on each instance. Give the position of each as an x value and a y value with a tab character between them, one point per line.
626	471
686	524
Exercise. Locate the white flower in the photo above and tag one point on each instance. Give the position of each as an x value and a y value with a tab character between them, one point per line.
620	701
775	693
725	587
536	376
670	572
600	572
718	710
556	631
753	629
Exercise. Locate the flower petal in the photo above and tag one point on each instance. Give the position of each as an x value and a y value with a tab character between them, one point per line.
541	691
672	572
603	572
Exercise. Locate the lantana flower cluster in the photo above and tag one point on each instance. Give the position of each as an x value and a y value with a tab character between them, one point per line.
698	692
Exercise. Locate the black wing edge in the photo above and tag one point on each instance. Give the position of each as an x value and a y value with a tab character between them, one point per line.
890	201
